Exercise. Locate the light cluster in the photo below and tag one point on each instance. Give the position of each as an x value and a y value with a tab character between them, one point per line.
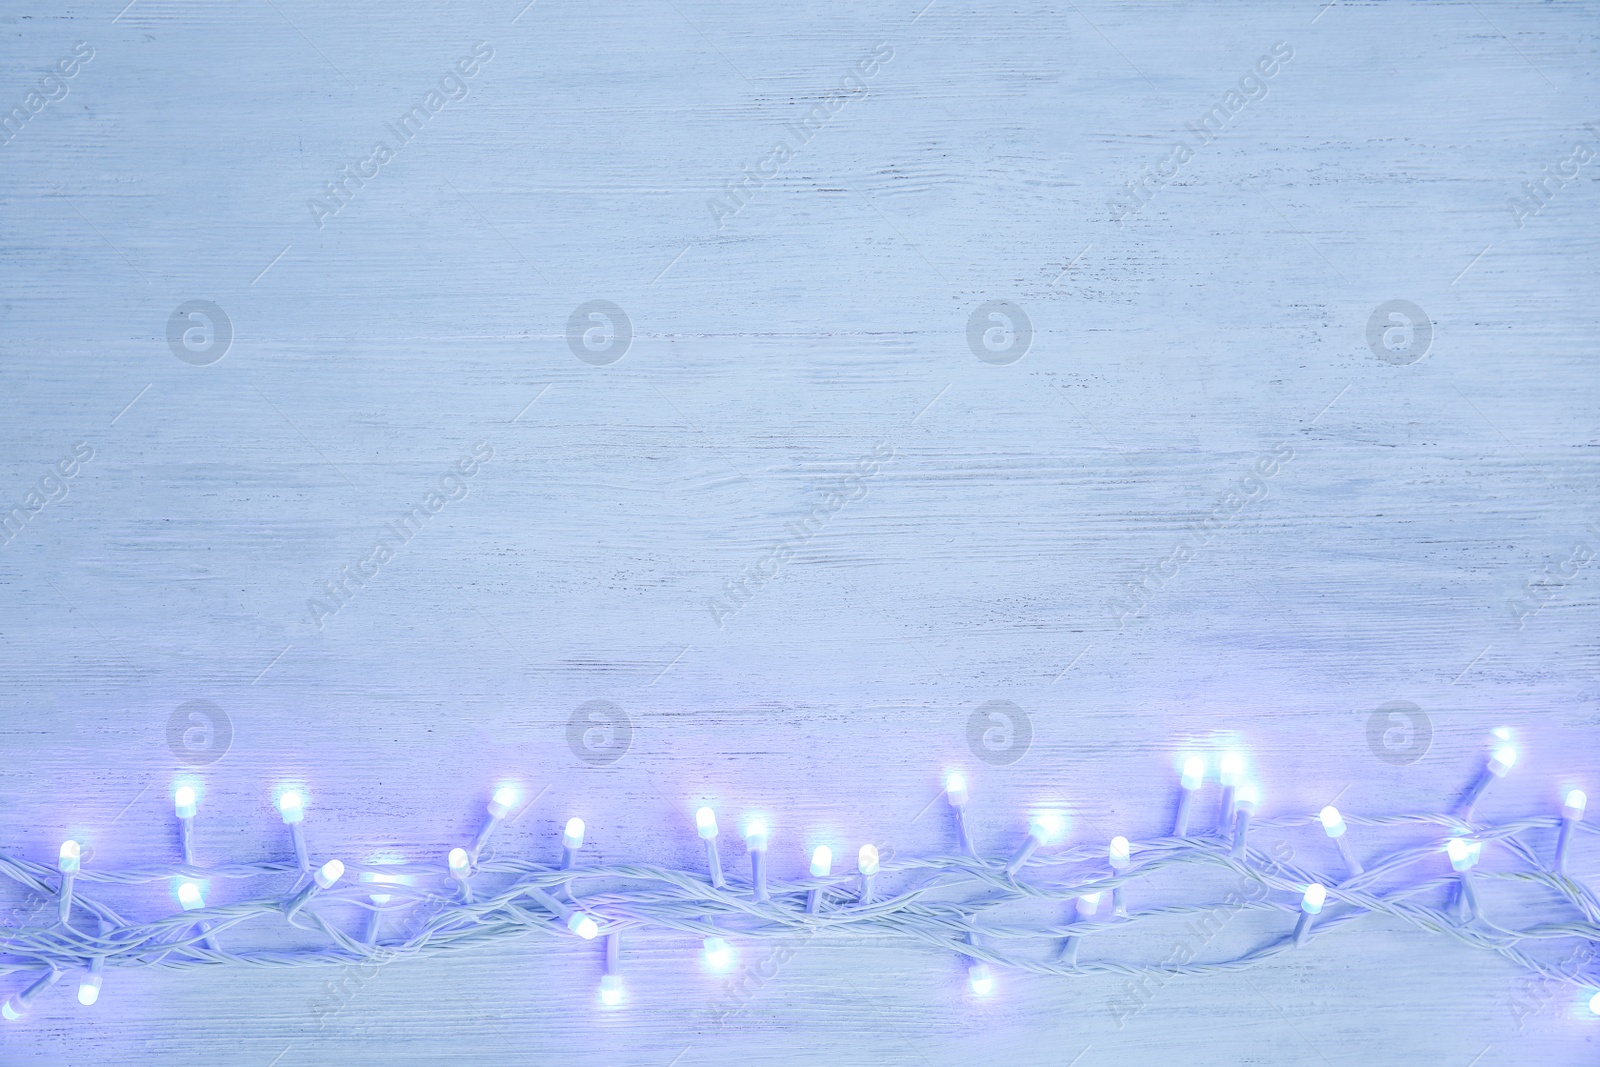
946	901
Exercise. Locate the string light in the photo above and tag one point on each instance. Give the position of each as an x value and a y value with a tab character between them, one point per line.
1230	773
1333	825
755	840
1193	774
571	842
821	867
500	805
955	791
1501	760
1247	799
67	864
380	900
292	806
682	901
1571	815
326	875
1310	905
867	864
705	821
185	801
1120	857
1043	829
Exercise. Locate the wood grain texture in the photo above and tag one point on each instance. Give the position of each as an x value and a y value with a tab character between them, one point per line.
984	561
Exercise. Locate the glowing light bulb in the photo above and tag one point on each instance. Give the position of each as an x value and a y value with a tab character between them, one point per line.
705	821
821	861
1194	772
1315	894
867	860
504	799
981	979
12	1009
755	833
583	925
1248	798
71	854
1047	826
292	806
190	896
573	836
1594	1003
1463	853
1120	856
185	801
718	954
89	989
955	789
328	874
1332	821
1088	904
611	990
1232	768
1502	760
460	863
1573	806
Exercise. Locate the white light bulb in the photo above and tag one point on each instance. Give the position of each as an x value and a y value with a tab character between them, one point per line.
755	833
460	862
718	954
1332	821
1232	768
705	821
292	806
583	925
1088	904
955	788
185	801
1119	853
70	856
504	799
190	896
1248	797
1463	853
1047	826
611	990
329	873
12	1009
1502	760
981	978
1194	772
89	989
1315	895
573	837
867	859
1594	1003
1572	808
821	861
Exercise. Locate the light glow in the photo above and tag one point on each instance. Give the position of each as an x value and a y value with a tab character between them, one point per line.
867	859
1194	772
185	801
755	833
573	837
583	925
292	806
1574	805
329	873
1462	852
611	990
718	954
981	979
89	989
821	861
1332	821
705	821
1311	903
1248	798
955	788
12	1009
1502	760
1048	826
191	896
1119	853
504	799
70	857
1232	768
460	862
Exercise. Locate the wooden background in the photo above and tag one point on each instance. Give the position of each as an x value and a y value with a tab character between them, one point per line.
983	561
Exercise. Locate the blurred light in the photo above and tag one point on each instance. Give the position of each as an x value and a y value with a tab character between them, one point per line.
718	954
291	805
1463	853
1248	797
460	862
190	896
583	925
981	979
573	837
611	990
705	821
1119	853
755	833
1232	767
955	787
1194	772
504	799
1047	826
89	989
